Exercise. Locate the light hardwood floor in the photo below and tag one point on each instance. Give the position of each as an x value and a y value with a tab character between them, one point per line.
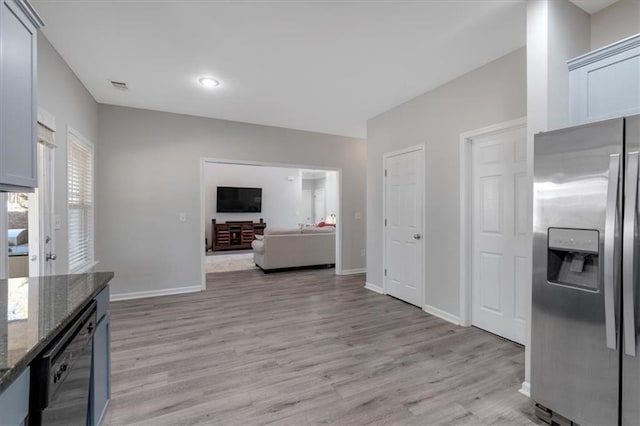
302	348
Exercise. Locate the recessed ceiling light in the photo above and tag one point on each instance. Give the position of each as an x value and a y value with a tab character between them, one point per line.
209	82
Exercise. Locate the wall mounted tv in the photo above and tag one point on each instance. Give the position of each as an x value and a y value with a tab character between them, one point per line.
238	200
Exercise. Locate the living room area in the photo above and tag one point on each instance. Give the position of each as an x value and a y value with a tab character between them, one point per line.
269	217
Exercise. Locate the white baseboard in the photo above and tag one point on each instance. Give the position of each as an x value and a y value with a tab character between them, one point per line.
374	288
154	293
353	271
526	389
442	314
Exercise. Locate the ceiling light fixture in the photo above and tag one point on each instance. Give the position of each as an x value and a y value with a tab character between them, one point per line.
209	82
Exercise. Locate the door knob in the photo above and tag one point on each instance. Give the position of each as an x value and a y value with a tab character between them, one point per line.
51	256
416	236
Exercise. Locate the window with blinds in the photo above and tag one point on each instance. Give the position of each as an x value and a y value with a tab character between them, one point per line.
80	204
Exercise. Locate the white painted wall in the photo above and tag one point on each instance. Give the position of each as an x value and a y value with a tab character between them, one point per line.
281	197
568	36
307	207
320	200
148	172
331	188
613	23
491	94
63	95
557	31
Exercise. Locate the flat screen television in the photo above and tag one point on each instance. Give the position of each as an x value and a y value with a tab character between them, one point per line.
232	199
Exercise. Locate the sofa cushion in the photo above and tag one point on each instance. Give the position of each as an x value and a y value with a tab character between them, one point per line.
281	231
322	230
258	246
259	237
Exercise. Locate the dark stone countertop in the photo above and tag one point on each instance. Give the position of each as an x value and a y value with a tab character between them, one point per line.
33	311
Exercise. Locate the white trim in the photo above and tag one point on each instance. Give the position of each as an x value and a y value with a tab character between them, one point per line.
374	288
204	160
441	314
203	231
385	156
81	140
465	210
604	52
525	389
154	293
4	224
42	203
352	271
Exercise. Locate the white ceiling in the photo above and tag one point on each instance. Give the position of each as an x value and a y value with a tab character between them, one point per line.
324	66
593	6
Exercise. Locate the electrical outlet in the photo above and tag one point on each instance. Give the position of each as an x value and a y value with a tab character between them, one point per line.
183	217
362	252
358	215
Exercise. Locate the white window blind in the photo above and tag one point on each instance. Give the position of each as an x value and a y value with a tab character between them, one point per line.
80	203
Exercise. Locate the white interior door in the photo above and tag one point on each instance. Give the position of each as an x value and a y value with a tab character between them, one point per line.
41	222
404	209
501	226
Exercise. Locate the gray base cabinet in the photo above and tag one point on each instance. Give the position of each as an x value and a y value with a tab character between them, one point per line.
14	401
18	106
101	365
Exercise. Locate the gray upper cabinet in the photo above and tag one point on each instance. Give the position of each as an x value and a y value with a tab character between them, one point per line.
605	83
18	88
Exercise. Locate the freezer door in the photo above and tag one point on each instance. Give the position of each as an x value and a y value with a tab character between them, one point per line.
578	194
630	414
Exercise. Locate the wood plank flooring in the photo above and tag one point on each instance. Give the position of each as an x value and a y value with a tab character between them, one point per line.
299	348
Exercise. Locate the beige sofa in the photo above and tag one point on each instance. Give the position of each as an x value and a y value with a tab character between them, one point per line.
284	248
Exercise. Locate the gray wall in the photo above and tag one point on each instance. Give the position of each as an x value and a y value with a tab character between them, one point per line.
61	94
148	172
491	94
568	36
618	21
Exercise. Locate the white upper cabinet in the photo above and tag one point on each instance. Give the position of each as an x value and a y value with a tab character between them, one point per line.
605	83
18	86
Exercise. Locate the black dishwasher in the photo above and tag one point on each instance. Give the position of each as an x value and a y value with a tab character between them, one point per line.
61	377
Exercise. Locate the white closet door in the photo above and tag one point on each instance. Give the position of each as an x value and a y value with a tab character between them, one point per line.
501	233
404	247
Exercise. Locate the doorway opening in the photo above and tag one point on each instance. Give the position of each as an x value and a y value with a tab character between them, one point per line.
30	239
282	197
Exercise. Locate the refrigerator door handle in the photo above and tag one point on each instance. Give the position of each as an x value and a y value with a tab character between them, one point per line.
628	254
609	250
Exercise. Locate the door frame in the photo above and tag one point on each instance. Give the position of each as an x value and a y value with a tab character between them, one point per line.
385	157
205	160
46	187
466	204
4	252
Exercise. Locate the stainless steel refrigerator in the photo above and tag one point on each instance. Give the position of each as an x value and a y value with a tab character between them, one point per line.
585	362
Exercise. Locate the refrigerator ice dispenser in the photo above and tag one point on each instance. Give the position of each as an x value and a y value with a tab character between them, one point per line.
573	258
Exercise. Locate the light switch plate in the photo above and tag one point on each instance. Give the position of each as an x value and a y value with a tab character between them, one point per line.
57	222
